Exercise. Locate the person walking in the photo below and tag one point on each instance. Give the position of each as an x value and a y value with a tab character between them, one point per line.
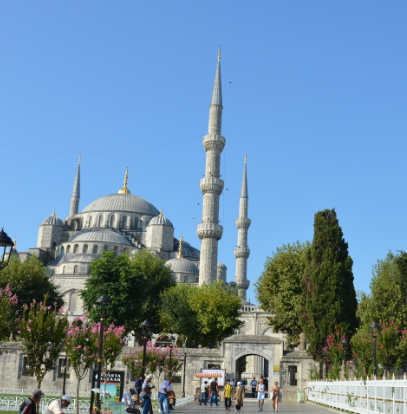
214	391
227	395
261	393
275	395
129	403
57	406
204	390
253	384
165	391
239	396
29	406
138	384
146	394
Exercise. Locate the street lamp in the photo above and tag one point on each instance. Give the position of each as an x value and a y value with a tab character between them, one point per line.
345	347
146	327
374	330
5	242
102	304
184	347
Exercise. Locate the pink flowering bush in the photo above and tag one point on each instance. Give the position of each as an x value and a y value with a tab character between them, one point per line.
388	354
8	313
336	353
362	350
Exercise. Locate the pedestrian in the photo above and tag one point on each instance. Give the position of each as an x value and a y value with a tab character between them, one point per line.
130	405
204	390
239	396
261	393
275	395
253	384
214	391
56	406
29	406
163	395
227	395
146	394
232	383
138	384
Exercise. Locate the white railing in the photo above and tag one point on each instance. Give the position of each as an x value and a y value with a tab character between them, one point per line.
362	396
12	403
57	392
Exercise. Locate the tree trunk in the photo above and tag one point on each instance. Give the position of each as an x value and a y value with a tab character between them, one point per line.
77	394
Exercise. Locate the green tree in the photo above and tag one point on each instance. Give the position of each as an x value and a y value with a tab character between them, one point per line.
362	348
30	280
329	299
43	332
115	277
203	315
279	288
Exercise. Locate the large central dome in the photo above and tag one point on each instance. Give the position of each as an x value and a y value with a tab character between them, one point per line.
122	202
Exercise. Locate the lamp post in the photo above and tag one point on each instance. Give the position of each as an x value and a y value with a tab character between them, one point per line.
171	338
345	347
145	334
102	305
374	330
63	384
5	242
184	347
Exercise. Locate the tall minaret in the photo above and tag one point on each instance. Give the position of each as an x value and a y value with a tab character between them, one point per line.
209	231
76	191
242	252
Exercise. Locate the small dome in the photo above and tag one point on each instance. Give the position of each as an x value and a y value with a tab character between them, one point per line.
108	236
220	264
187	249
73	257
182	266
232	283
53	220
160	219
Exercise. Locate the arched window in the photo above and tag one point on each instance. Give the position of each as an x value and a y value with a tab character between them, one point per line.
75	248
62	250
90	221
136	222
112	221
100	221
124	250
124	222
75	270
105	248
115	249
129	223
85	248
73	302
63	270
68	248
95	249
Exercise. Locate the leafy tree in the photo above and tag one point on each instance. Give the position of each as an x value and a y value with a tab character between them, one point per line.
81	349
115	277
30	280
43	332
204	315
8	313
336	353
362	348
279	288
329	299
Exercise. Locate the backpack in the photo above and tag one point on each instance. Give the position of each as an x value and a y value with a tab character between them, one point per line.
24	404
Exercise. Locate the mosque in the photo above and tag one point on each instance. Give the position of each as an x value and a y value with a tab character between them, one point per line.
124	222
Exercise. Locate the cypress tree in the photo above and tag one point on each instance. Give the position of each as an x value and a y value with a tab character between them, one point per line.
329	299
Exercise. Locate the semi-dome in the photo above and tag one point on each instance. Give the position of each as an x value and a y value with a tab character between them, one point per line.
53	220
160	219
103	236
180	265
122	202
187	249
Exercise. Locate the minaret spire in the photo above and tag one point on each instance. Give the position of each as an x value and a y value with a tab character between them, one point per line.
242	251
76	191
124	189
209	231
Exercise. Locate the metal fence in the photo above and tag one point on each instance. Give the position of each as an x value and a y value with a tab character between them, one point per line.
57	392
362	396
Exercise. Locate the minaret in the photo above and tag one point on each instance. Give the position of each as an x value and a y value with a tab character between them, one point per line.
242	252
209	231
76	191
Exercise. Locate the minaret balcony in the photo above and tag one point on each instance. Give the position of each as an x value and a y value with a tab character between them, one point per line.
213	142
243	284
212	185
243	223
242	252
210	231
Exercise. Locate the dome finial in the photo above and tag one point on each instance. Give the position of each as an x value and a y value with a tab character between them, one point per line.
219	52
53	213
15	242
161	213
124	189
180	256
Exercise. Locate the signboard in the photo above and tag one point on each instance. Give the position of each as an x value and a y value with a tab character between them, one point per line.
114	386
209	378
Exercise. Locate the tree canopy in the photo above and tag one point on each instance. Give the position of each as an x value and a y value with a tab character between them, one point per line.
329	298
279	288
202	315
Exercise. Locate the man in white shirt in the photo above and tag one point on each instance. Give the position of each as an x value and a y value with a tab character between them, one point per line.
165	390
127	399
56	406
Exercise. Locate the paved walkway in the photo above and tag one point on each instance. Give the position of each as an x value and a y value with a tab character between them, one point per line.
250	407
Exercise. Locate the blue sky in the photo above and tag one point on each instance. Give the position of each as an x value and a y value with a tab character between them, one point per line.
314	92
